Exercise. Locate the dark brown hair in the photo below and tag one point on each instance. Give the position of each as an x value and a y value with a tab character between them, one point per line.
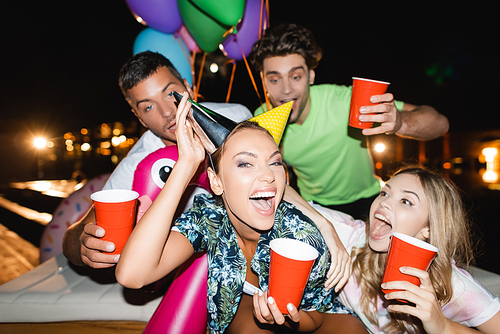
283	40
141	66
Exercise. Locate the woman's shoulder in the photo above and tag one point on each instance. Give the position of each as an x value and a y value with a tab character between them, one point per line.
288	212
206	201
204	205
292	223
204	215
464	283
471	303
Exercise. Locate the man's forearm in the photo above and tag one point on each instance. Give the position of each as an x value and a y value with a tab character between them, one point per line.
422	123
71	244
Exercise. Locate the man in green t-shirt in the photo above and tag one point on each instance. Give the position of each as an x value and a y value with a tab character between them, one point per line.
332	163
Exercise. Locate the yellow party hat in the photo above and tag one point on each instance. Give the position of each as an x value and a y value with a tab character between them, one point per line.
275	120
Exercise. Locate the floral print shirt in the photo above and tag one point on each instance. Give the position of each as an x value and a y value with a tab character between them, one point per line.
207	226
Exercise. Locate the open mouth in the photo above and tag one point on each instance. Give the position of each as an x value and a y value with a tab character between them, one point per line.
172	125
380	226
288	100
263	201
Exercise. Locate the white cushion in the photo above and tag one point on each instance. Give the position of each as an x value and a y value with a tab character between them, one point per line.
56	291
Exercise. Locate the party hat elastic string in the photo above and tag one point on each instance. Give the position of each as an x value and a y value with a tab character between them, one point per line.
211	162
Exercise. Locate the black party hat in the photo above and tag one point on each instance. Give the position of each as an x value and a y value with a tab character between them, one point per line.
214	126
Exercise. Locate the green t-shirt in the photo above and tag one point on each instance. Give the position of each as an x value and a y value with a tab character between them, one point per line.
331	161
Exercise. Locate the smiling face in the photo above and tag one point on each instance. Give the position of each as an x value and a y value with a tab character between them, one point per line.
288	78
251	180
401	207
152	102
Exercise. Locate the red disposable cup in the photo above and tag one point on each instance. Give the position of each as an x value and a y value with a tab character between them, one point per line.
362	91
291	264
406	251
115	211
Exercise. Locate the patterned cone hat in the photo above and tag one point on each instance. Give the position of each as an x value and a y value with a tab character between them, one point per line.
215	127
275	120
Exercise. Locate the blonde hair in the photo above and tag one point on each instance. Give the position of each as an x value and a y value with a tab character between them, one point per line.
449	232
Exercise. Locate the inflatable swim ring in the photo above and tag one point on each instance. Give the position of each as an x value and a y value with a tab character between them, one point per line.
69	211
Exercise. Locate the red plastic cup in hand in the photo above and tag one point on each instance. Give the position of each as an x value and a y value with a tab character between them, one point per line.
291	264
115	211
362	91
406	251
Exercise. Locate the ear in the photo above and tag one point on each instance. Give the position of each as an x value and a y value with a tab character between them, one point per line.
426	232
215	182
312	76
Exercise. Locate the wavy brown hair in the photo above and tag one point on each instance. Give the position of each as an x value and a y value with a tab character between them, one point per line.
449	232
142	66
283	40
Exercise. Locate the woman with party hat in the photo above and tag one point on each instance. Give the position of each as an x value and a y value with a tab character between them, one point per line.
234	227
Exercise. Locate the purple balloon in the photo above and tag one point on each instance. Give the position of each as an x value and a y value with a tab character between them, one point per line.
161	15
247	31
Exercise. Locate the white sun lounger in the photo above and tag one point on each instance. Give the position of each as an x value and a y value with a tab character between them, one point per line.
55	291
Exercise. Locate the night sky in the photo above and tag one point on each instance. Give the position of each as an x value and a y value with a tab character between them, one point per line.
61	60
60	63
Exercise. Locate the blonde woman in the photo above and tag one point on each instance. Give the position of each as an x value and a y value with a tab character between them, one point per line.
427	206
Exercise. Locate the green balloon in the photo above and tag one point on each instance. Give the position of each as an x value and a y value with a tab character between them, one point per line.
207	32
226	12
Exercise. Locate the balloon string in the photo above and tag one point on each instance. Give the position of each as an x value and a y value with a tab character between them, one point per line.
229	31
249	71
232	78
197	88
268	16
260	19
263	24
287	174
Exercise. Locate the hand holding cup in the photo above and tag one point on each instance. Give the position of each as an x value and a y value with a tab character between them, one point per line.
407	251
291	264
115	211
362	91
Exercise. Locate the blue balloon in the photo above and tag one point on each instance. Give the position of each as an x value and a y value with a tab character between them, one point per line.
170	46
